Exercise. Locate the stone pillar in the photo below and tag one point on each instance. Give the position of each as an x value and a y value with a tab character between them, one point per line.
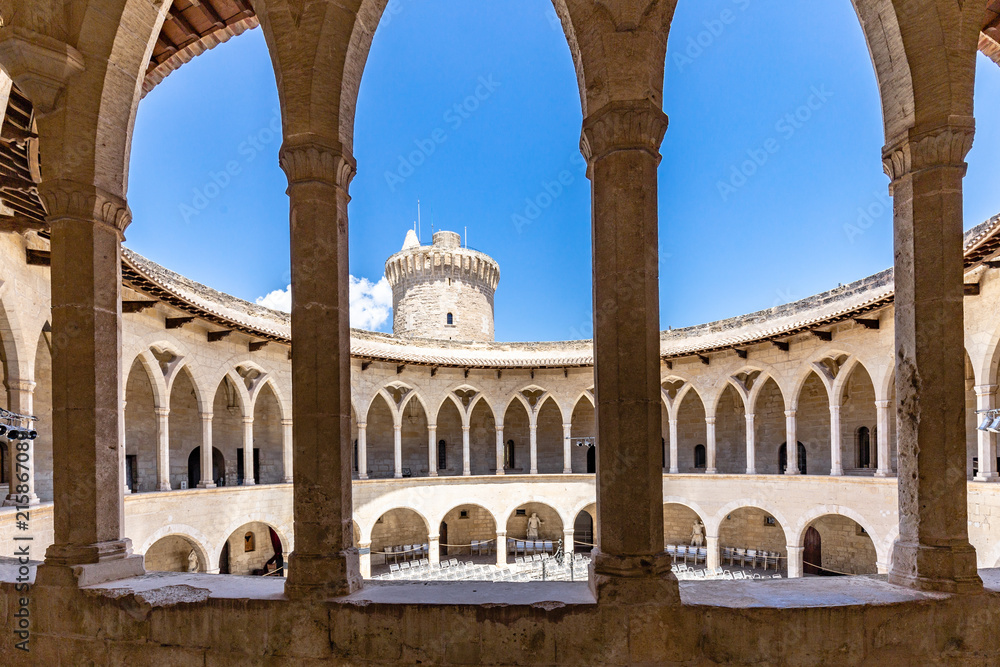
432	458
397	449
795	561
621	144
533	430
569	540
365	559
500	448
791	444
714	560
751	444
673	447
501	548
926	166
987	441
882	440
287	462
363	450
162	448
89	544
206	452
325	562
248	476
434	549
21	394
466	462
567	449
710	446
122	474
836	463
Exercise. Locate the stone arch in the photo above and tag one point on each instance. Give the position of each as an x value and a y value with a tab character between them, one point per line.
402	528
194	537
856	395
584	425
268	435
479	524
844	550
549	434
482	437
184	424
881	545
812	416
730	430
141	428
243	560
691	428
552	523
713	525
517	420
42	408
678	520
229	407
15	358
380	418
769	424
746	526
413	435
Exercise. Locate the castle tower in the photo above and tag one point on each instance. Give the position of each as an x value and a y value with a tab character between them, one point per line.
443	290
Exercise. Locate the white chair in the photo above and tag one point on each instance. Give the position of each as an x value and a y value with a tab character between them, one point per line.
394	567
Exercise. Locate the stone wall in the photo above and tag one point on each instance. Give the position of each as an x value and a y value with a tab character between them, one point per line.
477	524
398	527
747	528
242	561
551	528
678	522
170	554
845	546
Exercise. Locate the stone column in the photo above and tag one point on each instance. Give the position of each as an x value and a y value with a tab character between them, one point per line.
836	463
325	562
791	444
569	540
882	440
363	450
207	482
287	462
162	448
751	444
501	548
673	447
987	441
434	549
122	474
926	166
710	446
712	545
21	397
795	561
567	449
466	462
432	459
621	144
248	476
89	543
397	449
533	431
365	559
500	448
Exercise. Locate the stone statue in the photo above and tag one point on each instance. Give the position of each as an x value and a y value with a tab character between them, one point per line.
533	525
697	533
192	561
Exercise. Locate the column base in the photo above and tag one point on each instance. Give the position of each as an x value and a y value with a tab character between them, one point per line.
884	473
397	475
533	472
674	471
288	480
361	476
949	569
249	482
78	566
14	500
789	471
500	471
163	487
751	471
567	471
633	579
711	471
837	472
320	577
206	485
987	477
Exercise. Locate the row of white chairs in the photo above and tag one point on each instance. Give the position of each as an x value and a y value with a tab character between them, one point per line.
685	573
685	553
525	547
751	557
406	552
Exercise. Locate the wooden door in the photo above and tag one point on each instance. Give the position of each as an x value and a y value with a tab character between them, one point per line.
813	552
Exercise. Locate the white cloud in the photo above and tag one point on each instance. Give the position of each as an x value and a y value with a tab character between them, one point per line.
371	302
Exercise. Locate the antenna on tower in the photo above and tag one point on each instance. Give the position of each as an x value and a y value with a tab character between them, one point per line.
419	238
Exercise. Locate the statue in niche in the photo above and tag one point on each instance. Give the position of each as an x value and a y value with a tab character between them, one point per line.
192	561
697	533
534	523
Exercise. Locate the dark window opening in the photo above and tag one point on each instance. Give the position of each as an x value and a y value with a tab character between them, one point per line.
442	455
451	320
699	456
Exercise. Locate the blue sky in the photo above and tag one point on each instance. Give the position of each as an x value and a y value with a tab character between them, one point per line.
208	197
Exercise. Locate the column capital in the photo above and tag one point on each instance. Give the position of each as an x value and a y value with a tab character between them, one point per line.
749	416
26	386
533	426
40	65
499	427
161	412
397	427
247	420
289	422
985	389
623	125
790	413
883	403
834	408
360	424
432	427
69	200
568	426
710	420
310	159
205	416
942	145
672	422
466	427
501	533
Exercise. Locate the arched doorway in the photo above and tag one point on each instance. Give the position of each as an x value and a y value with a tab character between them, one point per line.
783	458
194	467
543	519
253	548
399	535
583	531
468	529
591	459
812	554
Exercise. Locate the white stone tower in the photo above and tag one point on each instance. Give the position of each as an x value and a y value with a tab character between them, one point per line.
442	291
